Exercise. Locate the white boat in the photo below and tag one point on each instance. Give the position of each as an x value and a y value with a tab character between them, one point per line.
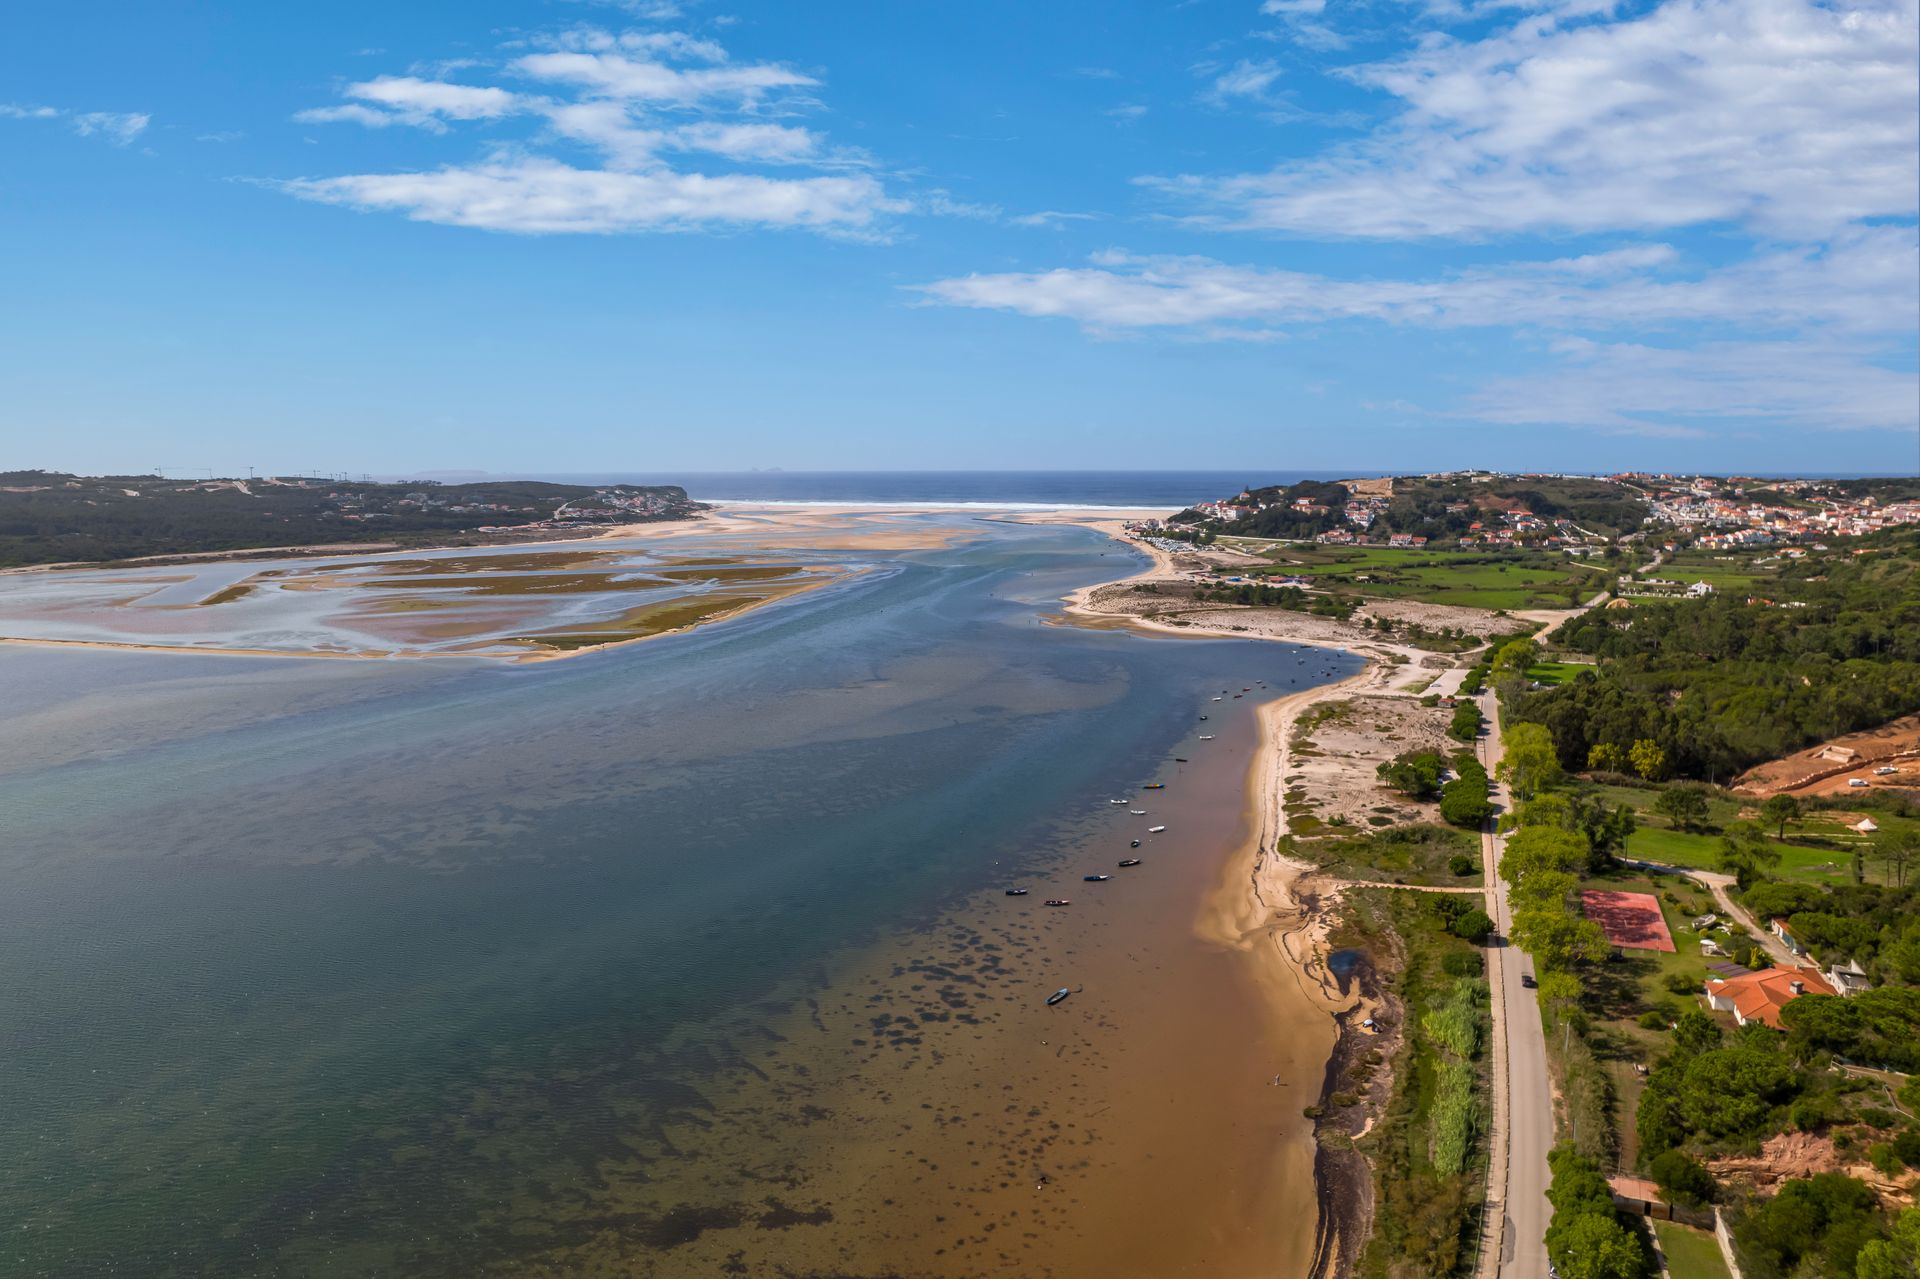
1155	830
1206	737
1116	801
1138	812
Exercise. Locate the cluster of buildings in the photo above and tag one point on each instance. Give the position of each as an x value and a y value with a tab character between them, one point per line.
1723	515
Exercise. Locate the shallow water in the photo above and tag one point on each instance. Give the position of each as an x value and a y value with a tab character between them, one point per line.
686	958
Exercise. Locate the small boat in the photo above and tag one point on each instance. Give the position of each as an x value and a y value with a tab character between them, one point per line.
1130	861
1058	901
1116	801
1155	830
1057	996
1236	697
1203	717
1179	759
1206	737
1133	843
1154	786
1244	689
1016	892
1216	699
1138	812
1096	879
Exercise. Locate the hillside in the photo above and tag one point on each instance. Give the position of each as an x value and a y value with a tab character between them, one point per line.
1437	507
52	517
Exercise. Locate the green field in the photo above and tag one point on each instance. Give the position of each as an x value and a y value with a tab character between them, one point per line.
1690	1253
1555	673
1470	579
1685	848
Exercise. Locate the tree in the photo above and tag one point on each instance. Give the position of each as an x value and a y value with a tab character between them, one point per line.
1681	1178
1607	829
1898	849
1778	811
1896	1257
1530	763
1533	849
1515	656
1694	1033
1606	757
1475	926
1746	853
1683	806
1648	759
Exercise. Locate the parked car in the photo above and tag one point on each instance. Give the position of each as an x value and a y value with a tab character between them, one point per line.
1526	979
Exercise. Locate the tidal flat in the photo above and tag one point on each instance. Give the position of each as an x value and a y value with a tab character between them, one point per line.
682	958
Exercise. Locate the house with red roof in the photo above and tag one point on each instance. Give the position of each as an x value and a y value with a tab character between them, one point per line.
1759	996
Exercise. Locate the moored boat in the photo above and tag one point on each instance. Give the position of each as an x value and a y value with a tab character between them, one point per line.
1129	861
1017	892
1059	901
1154	786
1155	830
1057	996
1096	879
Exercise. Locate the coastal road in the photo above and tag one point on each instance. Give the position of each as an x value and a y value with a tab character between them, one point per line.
1523	1106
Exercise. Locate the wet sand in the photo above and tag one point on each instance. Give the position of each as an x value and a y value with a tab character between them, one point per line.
924	1112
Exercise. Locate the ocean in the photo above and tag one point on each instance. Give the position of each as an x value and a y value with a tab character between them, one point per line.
1035	489
686	958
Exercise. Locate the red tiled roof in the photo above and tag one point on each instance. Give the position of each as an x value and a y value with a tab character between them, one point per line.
1763	994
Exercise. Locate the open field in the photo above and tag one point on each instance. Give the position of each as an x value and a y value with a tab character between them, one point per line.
1552	674
1469	579
1690	1253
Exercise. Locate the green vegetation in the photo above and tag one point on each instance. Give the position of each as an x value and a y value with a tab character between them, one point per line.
1444	507
1586	1238
1413	854
1690	1253
1465	801
1719	684
1428	1162
1415	774
1465	726
54	517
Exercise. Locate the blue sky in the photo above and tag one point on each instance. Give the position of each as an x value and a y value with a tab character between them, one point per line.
555	235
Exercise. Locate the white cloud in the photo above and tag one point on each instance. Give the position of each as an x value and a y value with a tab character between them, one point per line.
1646	390
1050	218
1790	116
1248	78
118	127
1864	284
536	196
1128	111
642	79
635	98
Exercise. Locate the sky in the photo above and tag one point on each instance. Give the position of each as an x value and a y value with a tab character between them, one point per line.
539	236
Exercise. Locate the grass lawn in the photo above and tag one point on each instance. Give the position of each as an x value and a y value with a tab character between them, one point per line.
1552	674
1621	990
1470	579
1691	1254
1684	848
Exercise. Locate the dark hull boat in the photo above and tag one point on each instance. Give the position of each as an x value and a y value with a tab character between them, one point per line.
1016	892
1130	861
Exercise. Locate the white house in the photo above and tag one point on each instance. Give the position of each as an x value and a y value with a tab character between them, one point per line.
1700	589
1848	977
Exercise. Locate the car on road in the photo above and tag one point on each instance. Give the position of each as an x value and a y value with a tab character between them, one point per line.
1526	979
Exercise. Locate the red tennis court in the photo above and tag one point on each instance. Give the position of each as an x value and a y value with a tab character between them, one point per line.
1630	919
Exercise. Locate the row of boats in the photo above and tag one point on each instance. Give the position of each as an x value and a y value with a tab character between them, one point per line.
1064	991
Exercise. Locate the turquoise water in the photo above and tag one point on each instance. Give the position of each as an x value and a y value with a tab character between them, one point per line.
382	968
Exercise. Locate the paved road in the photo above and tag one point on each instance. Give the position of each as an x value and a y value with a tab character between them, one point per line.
1529	1104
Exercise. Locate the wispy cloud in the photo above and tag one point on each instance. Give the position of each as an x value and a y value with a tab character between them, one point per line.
118	127
1785	115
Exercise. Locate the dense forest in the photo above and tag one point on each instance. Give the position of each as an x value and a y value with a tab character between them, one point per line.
1727	682
1418	506
52	517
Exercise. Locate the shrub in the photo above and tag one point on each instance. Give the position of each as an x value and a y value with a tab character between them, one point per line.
1461	864
1462	963
1681	1178
1875	1117
1474	926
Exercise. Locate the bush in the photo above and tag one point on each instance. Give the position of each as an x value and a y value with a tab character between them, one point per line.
1681	1178
1653	1020
1474	926
1462	865
1462	963
1875	1117
1466	721
1907	1147
1682	984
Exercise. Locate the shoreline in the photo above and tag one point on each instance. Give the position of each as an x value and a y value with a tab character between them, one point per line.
1266	906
